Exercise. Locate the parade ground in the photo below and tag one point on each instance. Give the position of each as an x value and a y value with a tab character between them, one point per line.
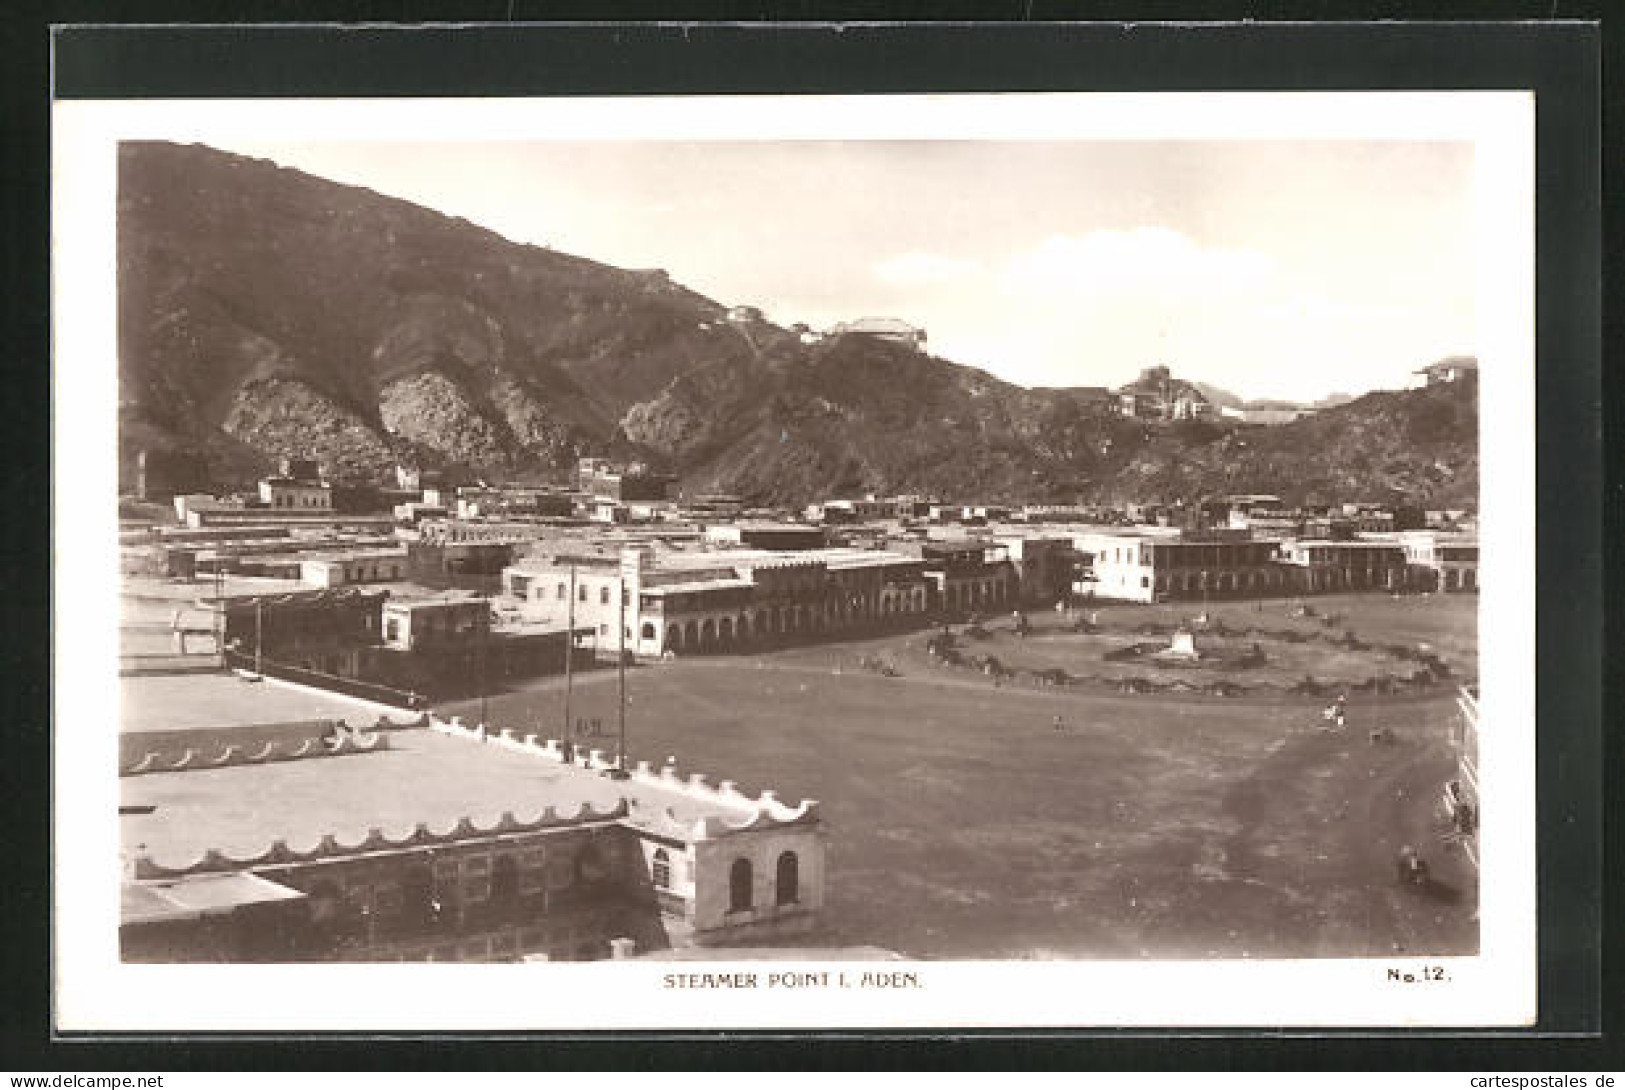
969	819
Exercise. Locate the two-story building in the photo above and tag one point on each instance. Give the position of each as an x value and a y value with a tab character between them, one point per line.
288	493
1319	566
1147	566
717	600
1440	560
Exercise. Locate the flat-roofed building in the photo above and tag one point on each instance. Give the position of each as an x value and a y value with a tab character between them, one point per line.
1146	566
428	624
1440	560
603	479
712	506
448	844
1318	565
966	575
772	536
1045	566
894	330
323	631
347	569
288	493
867	509
718	600
1449	369
460	555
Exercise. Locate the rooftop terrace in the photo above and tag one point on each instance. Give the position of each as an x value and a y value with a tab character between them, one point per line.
434	778
164	702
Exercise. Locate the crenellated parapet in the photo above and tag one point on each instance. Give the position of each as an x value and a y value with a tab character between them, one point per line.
343	742
737	811
330	847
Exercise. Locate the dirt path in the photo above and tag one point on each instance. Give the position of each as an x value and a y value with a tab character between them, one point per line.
1313	835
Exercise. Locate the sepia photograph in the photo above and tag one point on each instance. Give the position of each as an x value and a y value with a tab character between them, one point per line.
911	559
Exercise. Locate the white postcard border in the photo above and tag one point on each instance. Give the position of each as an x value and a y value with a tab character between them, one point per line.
95	992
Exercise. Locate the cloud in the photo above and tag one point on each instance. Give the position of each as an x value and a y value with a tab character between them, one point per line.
917	268
1144	261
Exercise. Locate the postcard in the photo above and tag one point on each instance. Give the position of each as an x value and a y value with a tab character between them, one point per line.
912	561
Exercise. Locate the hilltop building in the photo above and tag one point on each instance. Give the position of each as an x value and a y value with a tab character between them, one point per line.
1157	395
894	330
1450	369
1269	416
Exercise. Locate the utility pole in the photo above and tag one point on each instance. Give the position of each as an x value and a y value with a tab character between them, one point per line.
620	667
259	636
218	613
569	657
485	630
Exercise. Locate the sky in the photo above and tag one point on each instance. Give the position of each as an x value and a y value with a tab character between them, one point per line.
1280	269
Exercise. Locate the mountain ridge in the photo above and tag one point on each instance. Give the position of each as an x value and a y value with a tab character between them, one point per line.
266	312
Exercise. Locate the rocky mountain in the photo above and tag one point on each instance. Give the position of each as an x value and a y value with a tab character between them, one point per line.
265	312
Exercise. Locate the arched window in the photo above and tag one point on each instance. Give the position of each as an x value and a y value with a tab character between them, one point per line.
660	869
740	881
787	881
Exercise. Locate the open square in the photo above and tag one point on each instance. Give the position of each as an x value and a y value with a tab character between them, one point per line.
967	825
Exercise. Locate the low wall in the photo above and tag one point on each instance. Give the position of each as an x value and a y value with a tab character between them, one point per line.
315	679
694	784
135	745
211	751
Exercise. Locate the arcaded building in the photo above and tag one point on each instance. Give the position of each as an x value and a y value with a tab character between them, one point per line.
716	600
1321	566
312	841
1149	567
1441	561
